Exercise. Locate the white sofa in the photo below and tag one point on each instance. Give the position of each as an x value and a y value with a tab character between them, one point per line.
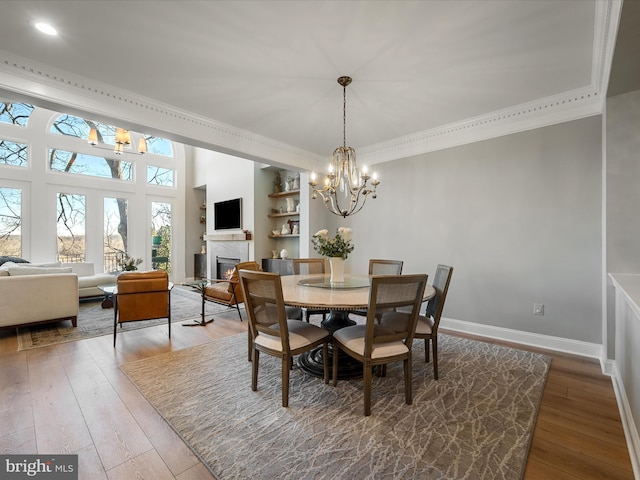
88	280
38	298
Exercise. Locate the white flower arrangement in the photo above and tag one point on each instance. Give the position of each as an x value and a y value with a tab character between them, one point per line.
129	264
338	246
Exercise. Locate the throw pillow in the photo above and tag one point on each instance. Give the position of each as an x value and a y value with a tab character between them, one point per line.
20	270
8	258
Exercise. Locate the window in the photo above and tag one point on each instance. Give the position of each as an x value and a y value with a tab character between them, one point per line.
12	153
116	232
159	176
79	127
82	164
15	113
161	236
10	221
71	230
159	146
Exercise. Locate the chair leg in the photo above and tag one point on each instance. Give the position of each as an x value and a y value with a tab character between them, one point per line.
249	345
286	363
238	308
254	369
367	374
325	361
115	321
336	351
426	350
408	394
306	314
434	343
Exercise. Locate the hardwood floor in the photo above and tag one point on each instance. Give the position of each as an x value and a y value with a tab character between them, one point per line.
73	398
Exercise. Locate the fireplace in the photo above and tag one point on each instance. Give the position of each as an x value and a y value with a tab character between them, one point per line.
224	266
229	253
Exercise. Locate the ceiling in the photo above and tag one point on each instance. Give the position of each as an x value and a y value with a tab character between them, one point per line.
270	67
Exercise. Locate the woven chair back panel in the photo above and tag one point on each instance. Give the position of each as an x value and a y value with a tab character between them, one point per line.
383	268
441	284
308	266
389	296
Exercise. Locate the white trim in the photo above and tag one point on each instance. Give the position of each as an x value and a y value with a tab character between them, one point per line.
572	105
26	80
63	91
628	424
566	345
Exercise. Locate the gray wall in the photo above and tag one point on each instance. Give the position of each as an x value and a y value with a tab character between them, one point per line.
623	189
623	194
519	217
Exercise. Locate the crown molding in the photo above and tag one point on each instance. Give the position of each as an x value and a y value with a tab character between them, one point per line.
565	107
51	88
568	106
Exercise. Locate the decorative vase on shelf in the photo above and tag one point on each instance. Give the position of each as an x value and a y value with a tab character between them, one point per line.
337	269
291	207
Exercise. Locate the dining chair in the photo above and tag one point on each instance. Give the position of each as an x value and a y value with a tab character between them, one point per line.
379	266
141	296
427	324
310	266
272	333
374	344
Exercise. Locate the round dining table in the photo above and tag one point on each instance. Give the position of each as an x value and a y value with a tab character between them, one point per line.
318	293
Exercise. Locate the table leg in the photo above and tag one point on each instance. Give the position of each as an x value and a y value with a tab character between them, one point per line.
312	361
202	321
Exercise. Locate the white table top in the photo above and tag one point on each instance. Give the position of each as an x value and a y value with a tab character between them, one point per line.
327	298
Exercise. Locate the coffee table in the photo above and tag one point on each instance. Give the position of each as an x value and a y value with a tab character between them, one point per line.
108	294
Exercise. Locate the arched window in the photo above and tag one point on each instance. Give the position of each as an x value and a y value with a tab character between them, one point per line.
78	127
15	113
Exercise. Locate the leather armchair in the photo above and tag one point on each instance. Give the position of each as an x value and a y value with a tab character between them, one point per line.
142	296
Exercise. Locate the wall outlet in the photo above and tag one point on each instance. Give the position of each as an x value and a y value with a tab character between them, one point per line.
538	309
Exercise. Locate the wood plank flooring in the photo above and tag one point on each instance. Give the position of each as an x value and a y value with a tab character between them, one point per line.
73	398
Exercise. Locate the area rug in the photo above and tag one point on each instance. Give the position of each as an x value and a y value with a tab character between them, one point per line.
95	321
475	422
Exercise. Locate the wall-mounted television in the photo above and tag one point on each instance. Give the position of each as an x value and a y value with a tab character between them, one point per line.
227	215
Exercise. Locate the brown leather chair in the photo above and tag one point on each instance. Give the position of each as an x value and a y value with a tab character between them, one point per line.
228	291
141	296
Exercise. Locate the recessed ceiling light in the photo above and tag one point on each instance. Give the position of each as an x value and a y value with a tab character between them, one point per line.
46	28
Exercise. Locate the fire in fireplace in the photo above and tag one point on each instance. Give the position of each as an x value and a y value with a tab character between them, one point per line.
225	266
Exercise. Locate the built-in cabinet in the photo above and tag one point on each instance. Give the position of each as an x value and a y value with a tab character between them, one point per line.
278	265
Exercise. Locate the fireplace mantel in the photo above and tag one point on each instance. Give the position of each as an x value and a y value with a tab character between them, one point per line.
228	237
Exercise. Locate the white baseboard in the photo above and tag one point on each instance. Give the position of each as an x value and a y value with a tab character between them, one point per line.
558	344
628	424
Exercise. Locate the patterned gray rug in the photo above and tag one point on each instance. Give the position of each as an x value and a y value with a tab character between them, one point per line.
475	422
95	321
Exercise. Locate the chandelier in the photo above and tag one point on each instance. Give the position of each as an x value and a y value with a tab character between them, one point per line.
123	138
345	188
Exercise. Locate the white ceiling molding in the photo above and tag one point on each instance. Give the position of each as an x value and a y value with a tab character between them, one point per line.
27	80
541	113
607	20
63	91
